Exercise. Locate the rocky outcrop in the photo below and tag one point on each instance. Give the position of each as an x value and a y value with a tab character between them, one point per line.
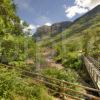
52	30
59	27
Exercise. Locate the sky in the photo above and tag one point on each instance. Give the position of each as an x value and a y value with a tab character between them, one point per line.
46	12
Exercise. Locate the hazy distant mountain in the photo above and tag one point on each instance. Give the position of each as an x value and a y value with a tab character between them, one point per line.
88	20
52	30
42	31
59	27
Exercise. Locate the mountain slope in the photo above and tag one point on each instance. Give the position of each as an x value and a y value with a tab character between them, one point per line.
89	20
57	28
86	20
51	31
42	32
82	35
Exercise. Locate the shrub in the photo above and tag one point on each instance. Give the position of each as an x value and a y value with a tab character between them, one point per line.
13	87
70	60
68	75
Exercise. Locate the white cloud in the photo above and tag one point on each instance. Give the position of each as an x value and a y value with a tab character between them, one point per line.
21	22
80	7
31	28
83	3
37	26
72	11
48	24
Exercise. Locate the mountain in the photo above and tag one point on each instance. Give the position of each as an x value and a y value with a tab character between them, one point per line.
81	36
87	20
90	20
42	32
59	27
49	31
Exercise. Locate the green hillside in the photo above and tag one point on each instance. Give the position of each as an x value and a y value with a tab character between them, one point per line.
18	55
15	48
81	37
28	70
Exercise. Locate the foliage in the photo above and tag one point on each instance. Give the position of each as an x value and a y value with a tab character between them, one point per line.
86	30
72	61
14	48
91	42
86	41
15	45
68	75
69	54
13	86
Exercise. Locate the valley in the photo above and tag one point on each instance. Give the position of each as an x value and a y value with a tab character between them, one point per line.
58	62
